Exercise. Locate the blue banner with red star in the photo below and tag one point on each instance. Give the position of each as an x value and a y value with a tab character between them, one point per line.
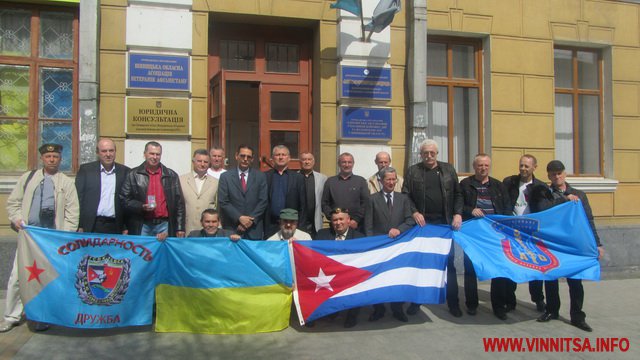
87	280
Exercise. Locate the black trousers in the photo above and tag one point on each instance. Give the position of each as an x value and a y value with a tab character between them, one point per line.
503	294
396	307
503	290
105	225
576	298
535	290
470	284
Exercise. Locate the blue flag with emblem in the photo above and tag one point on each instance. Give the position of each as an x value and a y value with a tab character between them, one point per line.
87	280
543	246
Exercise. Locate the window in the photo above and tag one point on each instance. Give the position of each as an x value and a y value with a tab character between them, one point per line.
454	99
578	110
38	85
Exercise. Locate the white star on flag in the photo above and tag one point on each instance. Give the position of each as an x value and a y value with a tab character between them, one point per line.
322	280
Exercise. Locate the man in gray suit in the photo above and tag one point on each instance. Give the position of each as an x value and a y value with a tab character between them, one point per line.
314	184
243	197
389	213
199	189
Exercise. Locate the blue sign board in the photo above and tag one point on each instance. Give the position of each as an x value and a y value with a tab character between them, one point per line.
162	72
366	82
366	123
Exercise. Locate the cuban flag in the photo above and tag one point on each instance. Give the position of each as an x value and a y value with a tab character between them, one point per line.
331	276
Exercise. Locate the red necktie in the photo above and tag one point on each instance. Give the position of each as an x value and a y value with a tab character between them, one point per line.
243	182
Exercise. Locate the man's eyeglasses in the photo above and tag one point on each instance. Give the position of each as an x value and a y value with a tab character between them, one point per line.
245	156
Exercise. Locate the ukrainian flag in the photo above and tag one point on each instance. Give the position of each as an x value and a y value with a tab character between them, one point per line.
216	286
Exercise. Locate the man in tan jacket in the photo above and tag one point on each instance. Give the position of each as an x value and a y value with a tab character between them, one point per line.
45	198
199	189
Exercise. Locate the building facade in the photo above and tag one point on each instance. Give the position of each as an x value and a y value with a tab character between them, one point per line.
554	78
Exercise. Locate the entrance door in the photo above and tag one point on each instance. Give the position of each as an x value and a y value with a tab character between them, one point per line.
284	120
260	89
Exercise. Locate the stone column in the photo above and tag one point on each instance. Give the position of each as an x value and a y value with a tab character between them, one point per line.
416	80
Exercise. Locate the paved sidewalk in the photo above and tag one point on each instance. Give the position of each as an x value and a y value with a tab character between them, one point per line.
611	306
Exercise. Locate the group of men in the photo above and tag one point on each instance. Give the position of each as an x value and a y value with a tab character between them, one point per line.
283	204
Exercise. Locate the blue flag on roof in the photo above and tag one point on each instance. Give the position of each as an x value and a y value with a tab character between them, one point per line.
543	246
336	275
352	6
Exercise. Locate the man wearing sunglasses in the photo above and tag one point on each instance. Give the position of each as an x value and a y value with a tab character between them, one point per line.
243	197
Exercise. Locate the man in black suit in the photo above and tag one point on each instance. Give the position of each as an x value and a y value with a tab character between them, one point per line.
98	184
389	213
286	191
243	197
339	231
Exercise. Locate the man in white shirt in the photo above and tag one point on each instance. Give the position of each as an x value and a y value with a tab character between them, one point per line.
520	187
216	159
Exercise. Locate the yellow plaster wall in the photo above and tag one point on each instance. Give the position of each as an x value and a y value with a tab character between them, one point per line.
112	115
626	199
521	35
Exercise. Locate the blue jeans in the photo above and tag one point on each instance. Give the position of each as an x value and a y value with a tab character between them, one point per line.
153	230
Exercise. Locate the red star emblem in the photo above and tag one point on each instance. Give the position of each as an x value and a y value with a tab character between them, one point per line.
34	272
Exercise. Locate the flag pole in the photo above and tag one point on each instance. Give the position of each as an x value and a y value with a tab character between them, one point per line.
296	297
362	21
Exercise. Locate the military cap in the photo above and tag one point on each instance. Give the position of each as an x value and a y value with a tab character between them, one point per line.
289	214
47	148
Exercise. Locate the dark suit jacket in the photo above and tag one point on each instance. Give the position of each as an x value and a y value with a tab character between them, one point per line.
296	198
233	202
88	187
329	234
379	220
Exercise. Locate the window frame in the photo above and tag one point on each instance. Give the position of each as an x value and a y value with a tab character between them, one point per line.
451	82
575	93
35	63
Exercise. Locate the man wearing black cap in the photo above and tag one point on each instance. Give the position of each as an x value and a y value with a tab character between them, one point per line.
45	198
562	192
289	227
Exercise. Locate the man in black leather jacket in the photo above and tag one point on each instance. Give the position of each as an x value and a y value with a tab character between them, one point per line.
436	198
484	195
560	192
520	188
152	197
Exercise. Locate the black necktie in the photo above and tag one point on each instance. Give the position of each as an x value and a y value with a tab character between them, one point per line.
389	203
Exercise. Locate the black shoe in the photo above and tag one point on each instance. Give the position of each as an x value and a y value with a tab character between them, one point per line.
413	309
376	315
40	326
400	316
547	316
510	307
540	306
350	322
455	311
500	314
582	325
472	311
